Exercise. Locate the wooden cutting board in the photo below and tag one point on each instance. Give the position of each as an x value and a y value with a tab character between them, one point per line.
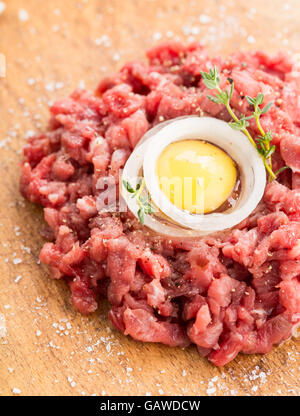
46	346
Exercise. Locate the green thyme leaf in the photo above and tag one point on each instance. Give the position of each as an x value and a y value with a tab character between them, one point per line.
141	216
214	99
250	100
259	99
139	184
211	84
128	187
266	108
148	208
281	170
270	152
242	124
231	88
262	143
145	206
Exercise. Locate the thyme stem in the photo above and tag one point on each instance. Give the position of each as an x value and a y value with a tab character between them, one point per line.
262	144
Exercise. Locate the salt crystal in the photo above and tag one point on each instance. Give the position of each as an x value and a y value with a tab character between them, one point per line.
211	390
31	81
2	7
18	278
262	376
23	15
204	19
160	391
28	134
251	39
116	57
38	333
50	86
72	383
16	390
17	261
103	40
59	85
3	330
157	36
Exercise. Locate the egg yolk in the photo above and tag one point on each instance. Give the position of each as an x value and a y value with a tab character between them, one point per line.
196	176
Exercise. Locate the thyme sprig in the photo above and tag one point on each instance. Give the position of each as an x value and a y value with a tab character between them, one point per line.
145	206
262	143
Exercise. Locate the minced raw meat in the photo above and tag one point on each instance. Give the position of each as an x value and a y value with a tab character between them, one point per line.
238	291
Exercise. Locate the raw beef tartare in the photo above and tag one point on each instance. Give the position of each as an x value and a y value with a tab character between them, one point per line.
230	292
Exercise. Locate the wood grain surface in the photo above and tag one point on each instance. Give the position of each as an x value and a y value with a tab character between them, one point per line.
46	346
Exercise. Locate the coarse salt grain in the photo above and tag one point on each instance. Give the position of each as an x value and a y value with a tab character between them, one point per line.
204	19
72	383
23	15
211	390
103	40
251	39
116	57
156	36
3	330
2	7
31	81
16	390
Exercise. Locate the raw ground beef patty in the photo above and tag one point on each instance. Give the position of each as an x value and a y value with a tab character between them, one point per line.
238	291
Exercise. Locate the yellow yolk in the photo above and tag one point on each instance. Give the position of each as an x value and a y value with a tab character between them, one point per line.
195	175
